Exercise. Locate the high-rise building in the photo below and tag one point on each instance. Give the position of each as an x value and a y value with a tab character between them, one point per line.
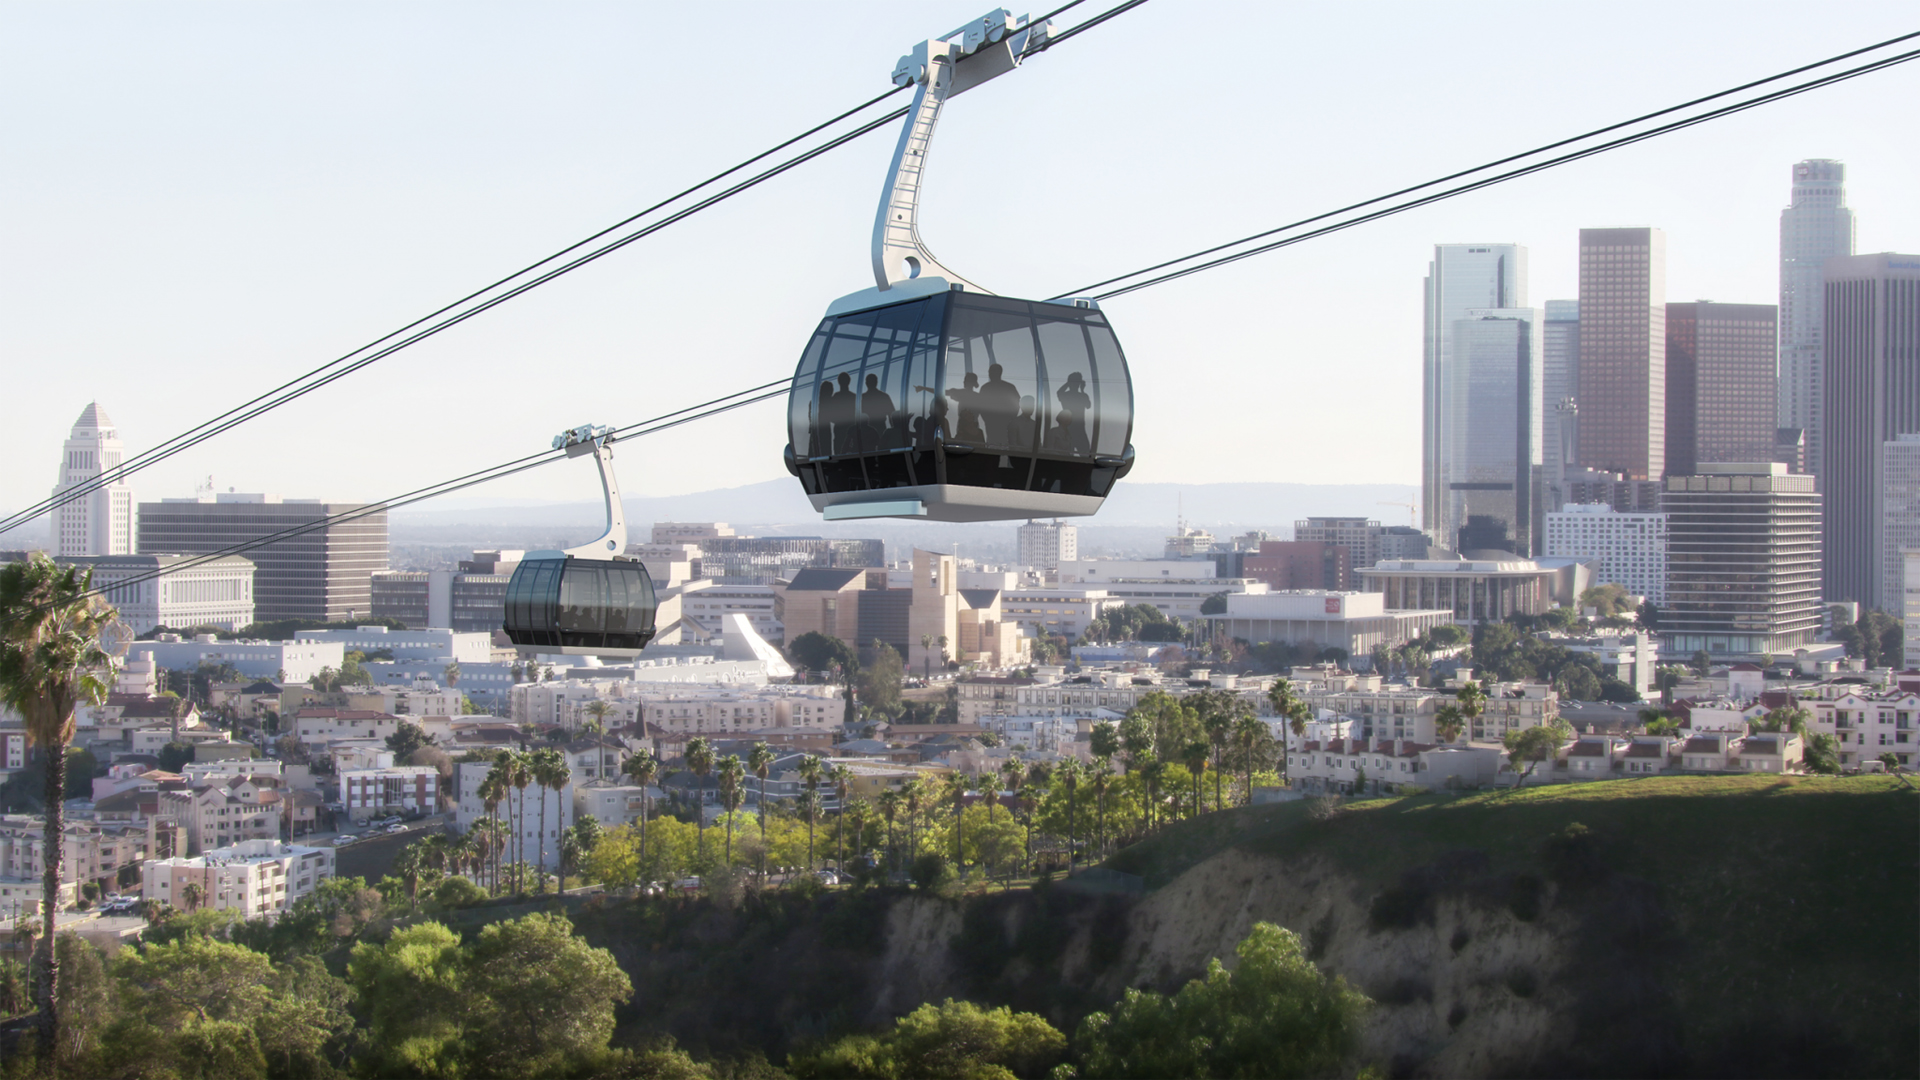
1300	564
1815	227
1629	550
324	572
1900	520
1623	351
102	521
1722	371
1491	387
1912	560
217	592
470	599
1870	397
1559	386
1743	561
1367	541
1044	545
1460	279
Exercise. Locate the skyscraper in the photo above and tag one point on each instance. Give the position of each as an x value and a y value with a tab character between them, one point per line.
1722	365
1492	443
1560	386
100	522
1461	278
1870	396
1900	522
1623	351
1815	227
325	573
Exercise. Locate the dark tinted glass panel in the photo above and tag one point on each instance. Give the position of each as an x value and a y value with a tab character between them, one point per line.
993	375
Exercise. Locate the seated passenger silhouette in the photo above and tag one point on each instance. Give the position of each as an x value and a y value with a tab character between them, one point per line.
999	403
1067	436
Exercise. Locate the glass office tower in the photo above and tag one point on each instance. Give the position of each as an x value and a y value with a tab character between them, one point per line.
1722	361
1492	412
1462	278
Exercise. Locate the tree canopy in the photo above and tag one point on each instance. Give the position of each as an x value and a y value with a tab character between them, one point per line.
816	651
954	1040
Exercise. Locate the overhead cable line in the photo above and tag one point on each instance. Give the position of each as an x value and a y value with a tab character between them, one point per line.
1626	140
426	326
663	422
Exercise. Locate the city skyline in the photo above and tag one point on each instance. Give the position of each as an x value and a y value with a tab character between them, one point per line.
247	276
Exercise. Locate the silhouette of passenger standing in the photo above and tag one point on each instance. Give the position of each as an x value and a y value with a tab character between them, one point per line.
820	432
877	406
842	416
999	403
966	397
1074	404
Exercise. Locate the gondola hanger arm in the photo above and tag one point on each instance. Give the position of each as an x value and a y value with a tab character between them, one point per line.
940	68
598	441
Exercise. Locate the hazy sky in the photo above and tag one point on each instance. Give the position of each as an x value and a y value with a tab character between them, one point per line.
203	199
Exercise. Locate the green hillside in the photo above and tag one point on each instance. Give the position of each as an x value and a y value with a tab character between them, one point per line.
1763	925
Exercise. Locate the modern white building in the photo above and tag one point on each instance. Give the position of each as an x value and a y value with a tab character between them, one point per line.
1815	227
214	593
1899	521
101	522
1044	545
1175	587
282	661
1065	611
1912	609
709	605
431	644
523	818
252	878
1355	621
1462	278
1629	550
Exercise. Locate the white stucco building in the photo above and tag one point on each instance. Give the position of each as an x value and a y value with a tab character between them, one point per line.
1629	549
253	877
102	521
218	592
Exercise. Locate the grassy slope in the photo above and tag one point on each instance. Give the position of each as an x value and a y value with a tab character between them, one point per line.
1791	905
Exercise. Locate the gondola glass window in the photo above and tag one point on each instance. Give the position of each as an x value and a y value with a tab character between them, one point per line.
962	388
580	604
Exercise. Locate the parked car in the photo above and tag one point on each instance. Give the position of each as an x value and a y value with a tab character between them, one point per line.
344	839
827	877
687	884
397	827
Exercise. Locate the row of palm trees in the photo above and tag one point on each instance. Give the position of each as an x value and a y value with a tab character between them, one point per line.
513	772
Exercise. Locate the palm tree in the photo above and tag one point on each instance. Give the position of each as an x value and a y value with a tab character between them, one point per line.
957	787
811	769
1039	776
699	759
643	767
598	710
926	657
1013	770
733	780
916	793
1101	781
51	661
492	835
1218	712
1254	740
494	790
1068	775
192	895
409	864
515	766
1195	758
1290	707
1449	722
889	802
551	769
841	778
1473	701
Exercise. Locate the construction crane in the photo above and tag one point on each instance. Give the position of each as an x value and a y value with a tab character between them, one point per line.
1413	510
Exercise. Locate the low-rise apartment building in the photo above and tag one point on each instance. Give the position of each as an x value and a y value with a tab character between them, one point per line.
223	812
316	726
253	878
1866	724
88	852
371	793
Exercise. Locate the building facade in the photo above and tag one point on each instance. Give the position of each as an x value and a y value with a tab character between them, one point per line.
1491	400
368	793
1815	226
1899	524
1743	561
252	878
1722	376
1300	564
1560	386
324	573
1871	379
102	521
1462	278
1474	590
1044	545
1623	351
218	592
1627	549
1358	622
